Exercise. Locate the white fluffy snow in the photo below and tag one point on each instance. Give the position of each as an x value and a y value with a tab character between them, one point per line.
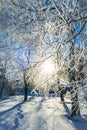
38	113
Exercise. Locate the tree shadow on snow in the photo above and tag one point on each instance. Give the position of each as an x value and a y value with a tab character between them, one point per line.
66	108
7	114
14	107
31	98
39	107
78	122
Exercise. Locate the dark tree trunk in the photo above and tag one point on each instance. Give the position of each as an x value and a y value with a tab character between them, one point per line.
25	92
25	88
2	88
78	77
60	92
75	110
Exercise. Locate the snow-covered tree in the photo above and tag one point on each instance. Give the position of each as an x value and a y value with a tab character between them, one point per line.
52	28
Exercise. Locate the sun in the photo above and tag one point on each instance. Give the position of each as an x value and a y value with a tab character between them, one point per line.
48	67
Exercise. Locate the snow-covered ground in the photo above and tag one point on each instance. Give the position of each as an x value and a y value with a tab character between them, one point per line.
38	113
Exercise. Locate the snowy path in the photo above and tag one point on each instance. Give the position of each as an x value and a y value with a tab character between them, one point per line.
36	114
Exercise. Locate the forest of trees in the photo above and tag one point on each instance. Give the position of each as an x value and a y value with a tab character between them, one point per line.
39	31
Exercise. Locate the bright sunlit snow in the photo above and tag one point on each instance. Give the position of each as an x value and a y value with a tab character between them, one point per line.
38	113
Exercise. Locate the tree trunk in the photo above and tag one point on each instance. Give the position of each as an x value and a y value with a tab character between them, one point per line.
25	87
2	88
75	110
25	92
60	92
